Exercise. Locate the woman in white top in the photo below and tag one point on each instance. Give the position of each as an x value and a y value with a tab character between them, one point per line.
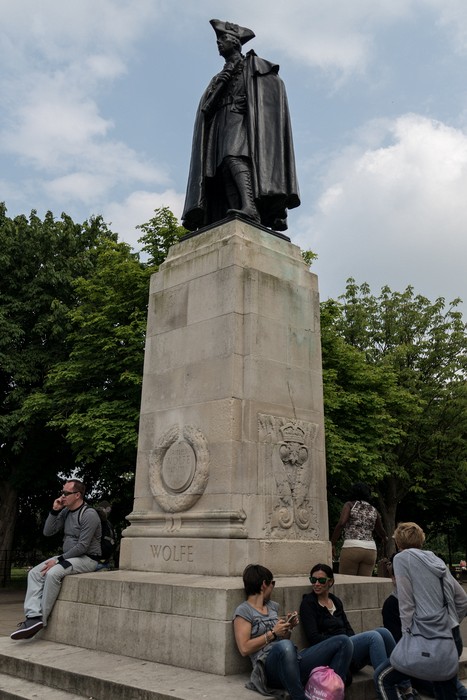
358	519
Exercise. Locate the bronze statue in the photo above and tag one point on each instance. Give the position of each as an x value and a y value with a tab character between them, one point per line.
242	159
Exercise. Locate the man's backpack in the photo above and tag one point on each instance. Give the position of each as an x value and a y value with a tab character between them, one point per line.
108	539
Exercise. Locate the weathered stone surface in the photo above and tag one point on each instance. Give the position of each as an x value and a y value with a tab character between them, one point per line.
231	463
185	619
230	466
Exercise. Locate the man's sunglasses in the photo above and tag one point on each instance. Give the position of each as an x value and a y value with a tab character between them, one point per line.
68	493
320	580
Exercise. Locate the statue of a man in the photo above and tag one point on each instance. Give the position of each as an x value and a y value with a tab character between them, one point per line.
242	159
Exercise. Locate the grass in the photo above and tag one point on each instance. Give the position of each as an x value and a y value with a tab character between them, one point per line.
18	578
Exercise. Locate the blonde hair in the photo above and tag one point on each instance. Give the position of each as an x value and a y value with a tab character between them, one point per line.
409	535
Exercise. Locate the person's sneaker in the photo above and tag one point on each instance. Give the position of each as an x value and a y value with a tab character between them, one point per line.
28	628
410	694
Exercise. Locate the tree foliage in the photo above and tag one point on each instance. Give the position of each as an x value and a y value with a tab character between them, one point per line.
73	323
309	257
39	261
395	397
92	395
159	233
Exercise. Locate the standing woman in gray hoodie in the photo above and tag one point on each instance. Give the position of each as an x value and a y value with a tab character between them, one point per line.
418	574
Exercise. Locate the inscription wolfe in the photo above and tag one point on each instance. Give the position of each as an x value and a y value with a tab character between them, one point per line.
173	552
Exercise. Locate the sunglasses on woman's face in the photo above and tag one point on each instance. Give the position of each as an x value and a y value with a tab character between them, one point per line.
322	580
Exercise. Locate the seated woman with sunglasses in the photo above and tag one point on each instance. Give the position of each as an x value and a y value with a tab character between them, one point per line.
265	637
322	615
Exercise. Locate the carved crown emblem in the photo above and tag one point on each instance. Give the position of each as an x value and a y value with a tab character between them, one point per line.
292	433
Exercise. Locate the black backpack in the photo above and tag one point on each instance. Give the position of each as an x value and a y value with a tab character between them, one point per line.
108	539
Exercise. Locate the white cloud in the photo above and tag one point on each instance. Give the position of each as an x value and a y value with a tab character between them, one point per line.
57	59
452	16
396	214
336	35
138	207
105	167
50	129
55	31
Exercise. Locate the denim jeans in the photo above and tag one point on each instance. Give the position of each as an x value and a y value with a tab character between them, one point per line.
372	648
461	689
387	679
43	590
284	669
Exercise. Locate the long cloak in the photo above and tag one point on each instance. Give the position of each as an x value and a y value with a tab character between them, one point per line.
275	186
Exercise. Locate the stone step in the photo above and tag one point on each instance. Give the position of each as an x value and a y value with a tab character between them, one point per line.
104	676
12	688
38	669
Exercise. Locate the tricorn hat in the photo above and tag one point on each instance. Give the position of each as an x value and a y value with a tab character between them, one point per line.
243	34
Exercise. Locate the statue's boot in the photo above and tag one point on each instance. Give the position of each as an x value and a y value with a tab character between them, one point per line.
279	225
248	208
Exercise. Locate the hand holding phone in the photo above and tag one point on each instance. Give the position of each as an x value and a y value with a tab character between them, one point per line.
292	618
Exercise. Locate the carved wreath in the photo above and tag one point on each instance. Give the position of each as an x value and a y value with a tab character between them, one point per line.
176	502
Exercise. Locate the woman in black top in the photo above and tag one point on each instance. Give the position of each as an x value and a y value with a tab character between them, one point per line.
322	616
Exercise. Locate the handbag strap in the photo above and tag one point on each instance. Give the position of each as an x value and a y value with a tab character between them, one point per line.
445	602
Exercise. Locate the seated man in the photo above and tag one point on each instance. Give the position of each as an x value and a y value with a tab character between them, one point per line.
81	526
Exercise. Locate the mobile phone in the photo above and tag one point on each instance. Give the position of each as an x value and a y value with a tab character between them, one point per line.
292	617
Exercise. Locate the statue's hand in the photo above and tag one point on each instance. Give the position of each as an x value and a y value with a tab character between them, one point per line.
226	73
216	88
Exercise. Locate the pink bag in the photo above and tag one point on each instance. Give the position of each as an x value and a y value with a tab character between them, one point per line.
324	684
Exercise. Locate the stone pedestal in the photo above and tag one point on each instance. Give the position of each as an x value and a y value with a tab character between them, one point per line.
231	465
185	620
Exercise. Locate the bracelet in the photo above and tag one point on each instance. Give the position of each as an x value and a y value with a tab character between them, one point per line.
266	638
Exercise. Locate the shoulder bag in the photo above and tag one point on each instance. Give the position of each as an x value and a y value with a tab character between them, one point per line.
427	650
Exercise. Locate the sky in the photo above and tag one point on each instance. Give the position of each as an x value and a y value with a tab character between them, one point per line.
99	98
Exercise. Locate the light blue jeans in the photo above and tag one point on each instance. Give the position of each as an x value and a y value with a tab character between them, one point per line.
285	669
43	590
372	648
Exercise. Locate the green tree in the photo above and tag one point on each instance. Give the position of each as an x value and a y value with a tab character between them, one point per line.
159	233
92	395
39	261
395	398
309	257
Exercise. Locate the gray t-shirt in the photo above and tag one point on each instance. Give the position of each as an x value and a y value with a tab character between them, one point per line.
260	623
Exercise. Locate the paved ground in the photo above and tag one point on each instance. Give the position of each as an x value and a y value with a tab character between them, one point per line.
11	610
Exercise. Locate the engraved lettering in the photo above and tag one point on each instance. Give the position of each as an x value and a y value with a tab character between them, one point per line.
174	552
178	467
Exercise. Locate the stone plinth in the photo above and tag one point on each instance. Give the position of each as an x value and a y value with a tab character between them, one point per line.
185	620
231	464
